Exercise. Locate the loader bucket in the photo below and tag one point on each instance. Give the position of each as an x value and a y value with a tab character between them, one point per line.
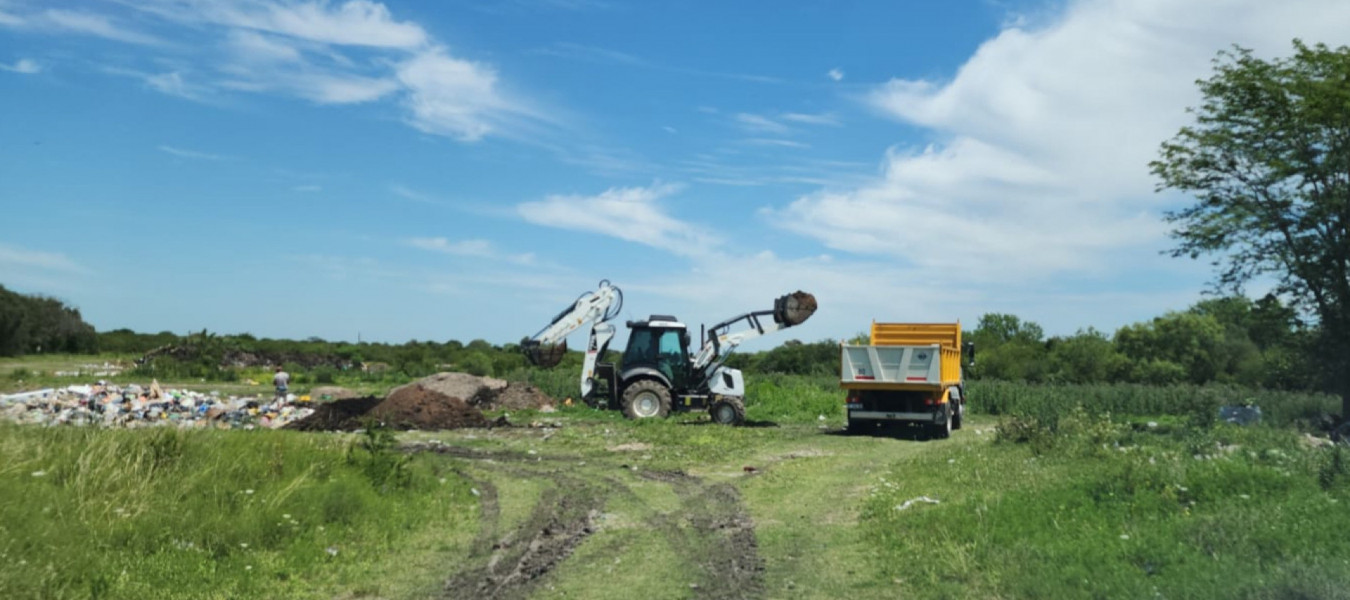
794	309
543	355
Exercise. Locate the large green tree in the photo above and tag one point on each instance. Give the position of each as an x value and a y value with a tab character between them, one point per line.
1268	161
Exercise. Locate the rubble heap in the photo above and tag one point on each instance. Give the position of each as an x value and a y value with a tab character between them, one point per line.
137	406
441	401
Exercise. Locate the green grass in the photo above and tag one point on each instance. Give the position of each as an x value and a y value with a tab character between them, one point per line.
159	513
1109	511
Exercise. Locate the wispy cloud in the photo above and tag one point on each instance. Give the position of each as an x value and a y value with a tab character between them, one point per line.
193	154
23	65
634	214
810	119
777	142
326	52
477	248
16	257
582	52
760	123
90	24
414	195
835	74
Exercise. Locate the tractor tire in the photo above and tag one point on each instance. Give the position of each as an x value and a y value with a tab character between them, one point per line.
646	399
942	430
960	413
728	411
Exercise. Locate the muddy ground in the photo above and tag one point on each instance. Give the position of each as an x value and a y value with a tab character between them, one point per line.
712	529
441	401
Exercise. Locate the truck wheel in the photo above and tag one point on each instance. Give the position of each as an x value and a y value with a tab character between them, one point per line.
646	399
960	412
728	412
943	430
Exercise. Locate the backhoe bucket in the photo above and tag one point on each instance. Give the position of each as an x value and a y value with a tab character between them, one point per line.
543	355
794	309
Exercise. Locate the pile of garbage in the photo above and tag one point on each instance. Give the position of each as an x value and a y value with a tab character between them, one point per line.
441	401
133	406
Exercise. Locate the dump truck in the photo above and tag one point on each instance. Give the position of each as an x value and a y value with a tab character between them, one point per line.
907	373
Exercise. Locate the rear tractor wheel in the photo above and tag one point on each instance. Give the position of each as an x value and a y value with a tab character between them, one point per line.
646	399
728	411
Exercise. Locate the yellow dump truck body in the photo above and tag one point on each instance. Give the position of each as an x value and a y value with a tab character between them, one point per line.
909	372
905	356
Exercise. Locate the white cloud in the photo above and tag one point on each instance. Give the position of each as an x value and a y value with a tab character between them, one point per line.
92	24
255	47
181	153
760	123
23	65
15	257
348	52
476	248
777	142
1044	139
835	74
810	119
351	23
448	96
633	214
173	84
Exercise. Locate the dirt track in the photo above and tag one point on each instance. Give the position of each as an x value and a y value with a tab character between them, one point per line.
712	531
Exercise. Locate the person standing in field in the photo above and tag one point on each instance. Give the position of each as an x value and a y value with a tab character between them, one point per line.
281	381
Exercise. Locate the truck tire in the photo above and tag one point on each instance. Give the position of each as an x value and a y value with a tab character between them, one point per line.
960	413
728	411
646	399
943	430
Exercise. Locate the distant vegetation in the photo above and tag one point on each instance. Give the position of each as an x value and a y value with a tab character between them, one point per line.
37	324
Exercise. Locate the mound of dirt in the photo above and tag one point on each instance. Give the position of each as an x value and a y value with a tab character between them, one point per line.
325	393
518	396
469	388
418	407
339	415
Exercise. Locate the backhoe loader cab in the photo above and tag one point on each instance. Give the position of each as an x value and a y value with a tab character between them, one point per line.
658	346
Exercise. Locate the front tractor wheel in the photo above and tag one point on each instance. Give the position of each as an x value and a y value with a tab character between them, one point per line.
646	399
728	411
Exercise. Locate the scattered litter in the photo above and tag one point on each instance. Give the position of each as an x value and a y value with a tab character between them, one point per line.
133	406
1240	415
912	501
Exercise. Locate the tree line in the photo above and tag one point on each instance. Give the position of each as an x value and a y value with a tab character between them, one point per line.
32	324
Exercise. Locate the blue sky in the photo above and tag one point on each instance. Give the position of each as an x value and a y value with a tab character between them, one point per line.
461	170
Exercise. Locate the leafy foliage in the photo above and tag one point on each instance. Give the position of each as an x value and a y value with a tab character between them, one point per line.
1268	161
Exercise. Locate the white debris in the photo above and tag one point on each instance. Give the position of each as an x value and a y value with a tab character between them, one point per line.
913	501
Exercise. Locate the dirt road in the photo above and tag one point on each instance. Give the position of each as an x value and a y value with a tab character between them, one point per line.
609	510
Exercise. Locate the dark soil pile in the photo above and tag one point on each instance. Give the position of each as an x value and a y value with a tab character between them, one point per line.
418	407
339	415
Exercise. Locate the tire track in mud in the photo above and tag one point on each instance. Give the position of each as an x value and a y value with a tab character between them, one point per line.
711	531
720	537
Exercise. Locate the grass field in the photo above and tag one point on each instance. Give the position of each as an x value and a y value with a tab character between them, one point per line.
1068	492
